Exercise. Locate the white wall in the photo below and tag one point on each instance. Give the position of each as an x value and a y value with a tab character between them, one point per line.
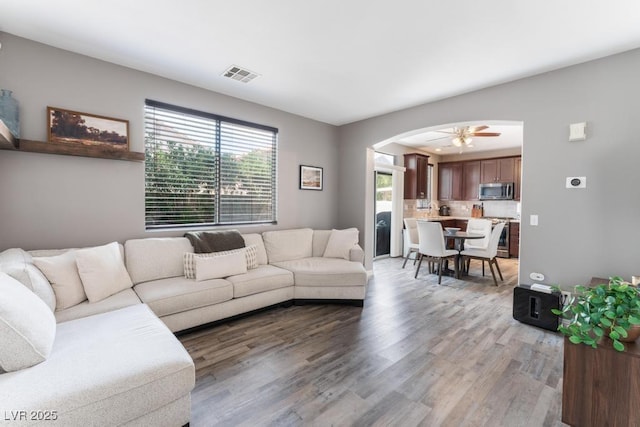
581	233
50	201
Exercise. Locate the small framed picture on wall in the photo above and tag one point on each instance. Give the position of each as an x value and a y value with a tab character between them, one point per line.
310	177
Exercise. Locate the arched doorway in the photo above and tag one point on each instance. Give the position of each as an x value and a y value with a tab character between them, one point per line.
510	142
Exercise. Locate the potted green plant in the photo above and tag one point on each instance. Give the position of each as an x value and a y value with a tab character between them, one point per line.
612	309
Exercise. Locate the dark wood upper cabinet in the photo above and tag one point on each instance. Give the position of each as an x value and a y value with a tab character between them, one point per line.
498	170
416	176
450	181
461	180
470	180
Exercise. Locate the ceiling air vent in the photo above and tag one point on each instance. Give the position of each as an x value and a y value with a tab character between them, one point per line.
240	74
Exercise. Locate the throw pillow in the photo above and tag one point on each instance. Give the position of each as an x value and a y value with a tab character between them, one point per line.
220	266
34	280
102	271
18	264
62	273
27	326
340	243
250	253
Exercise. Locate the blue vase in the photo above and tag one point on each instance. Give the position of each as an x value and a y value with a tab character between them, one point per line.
9	112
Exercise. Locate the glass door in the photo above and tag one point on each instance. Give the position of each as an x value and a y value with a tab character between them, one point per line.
383	206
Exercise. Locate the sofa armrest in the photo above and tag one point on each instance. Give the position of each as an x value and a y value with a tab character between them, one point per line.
356	254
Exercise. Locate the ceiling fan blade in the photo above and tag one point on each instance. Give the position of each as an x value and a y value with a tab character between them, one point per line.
474	129
486	134
446	131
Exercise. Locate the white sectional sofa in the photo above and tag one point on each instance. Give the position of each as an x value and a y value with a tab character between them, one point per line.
116	362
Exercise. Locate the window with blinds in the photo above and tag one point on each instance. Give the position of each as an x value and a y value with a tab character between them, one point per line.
202	169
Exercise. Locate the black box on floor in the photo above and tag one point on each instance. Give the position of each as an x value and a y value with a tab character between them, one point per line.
533	307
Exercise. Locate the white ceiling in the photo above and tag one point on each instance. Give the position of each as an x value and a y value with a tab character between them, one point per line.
335	61
438	142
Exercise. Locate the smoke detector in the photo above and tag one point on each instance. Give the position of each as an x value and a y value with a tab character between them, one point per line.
240	74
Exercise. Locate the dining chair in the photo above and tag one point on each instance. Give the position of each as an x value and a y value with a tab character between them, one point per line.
411	233
489	254
431	245
478	226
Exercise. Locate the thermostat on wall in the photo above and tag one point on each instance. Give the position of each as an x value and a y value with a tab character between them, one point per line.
576	182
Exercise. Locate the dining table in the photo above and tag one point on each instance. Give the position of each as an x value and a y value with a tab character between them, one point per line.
458	238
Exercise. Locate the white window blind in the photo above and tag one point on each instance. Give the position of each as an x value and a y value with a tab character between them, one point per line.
202	169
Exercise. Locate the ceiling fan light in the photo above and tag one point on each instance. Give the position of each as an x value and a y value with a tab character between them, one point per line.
467	140
457	141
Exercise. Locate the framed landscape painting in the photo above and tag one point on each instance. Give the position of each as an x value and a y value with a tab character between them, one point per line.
85	129
310	178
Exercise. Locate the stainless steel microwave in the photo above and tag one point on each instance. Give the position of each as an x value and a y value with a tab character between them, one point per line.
496	191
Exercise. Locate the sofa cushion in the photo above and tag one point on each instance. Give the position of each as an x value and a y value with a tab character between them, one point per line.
18	264
250	253
256	239
320	239
102	271
27	326
262	279
178	294
220	266
286	245
62	272
108	369
326	272
340	243
155	258
122	299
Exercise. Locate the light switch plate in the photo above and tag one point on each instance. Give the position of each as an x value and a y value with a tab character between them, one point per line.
533	220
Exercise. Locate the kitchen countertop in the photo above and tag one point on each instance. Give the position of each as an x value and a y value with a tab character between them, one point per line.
442	218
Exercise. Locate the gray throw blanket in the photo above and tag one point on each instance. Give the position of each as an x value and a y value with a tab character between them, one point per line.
215	241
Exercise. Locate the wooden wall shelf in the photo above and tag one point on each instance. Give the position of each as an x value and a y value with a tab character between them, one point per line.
78	150
8	142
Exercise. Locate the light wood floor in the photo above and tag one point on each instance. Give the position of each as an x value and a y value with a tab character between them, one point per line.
417	353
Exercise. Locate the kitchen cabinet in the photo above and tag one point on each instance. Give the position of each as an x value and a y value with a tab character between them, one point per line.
416	176
518	173
514	239
450	181
497	170
470	180
460	180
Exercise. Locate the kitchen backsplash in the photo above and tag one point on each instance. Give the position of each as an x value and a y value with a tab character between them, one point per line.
498	208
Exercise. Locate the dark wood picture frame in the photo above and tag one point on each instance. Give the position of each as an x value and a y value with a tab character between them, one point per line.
311	178
89	130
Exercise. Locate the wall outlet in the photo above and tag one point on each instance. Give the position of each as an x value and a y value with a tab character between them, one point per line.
565	298
537	276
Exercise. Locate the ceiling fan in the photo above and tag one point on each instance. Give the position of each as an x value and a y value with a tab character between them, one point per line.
463	135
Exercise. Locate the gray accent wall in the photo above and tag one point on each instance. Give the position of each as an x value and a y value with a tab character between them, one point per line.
53	201
49	201
581	233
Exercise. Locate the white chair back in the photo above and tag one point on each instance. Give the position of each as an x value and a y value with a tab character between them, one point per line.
431	239
412	230
492	249
478	226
